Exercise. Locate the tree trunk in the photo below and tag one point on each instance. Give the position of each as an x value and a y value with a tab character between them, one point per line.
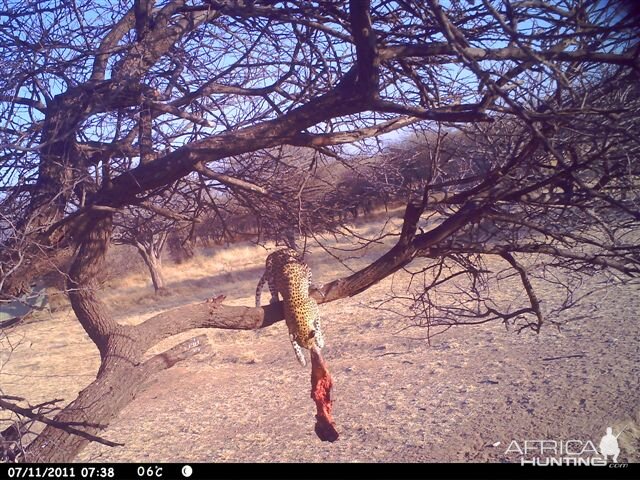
154	264
101	400
156	274
121	375
120	379
151	253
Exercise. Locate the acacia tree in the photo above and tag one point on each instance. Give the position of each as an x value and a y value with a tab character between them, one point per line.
104	105
148	225
149	236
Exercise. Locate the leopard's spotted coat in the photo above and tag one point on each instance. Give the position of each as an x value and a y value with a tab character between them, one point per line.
287	274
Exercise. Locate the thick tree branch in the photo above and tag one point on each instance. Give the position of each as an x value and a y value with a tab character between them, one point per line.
165	212
29	102
459	113
364	37
182	351
228	180
506	53
109	43
350	136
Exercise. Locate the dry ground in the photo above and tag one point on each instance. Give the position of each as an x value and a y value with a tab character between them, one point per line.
397	398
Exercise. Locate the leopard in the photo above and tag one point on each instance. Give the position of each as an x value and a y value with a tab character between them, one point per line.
288	275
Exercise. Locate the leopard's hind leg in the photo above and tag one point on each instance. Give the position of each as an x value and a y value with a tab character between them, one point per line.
318	336
273	289
299	351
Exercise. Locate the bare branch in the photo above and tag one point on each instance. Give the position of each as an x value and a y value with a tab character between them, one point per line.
66	426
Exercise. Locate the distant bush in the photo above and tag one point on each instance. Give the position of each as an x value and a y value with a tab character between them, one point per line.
122	260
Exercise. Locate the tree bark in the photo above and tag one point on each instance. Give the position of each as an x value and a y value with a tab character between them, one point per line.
117	384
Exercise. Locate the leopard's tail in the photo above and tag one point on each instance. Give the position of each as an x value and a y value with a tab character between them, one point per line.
259	288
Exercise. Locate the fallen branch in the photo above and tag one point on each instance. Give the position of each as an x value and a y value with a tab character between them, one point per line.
549	359
66	426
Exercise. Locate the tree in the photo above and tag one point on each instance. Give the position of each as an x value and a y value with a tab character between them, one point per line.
106	106
149	238
147	227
